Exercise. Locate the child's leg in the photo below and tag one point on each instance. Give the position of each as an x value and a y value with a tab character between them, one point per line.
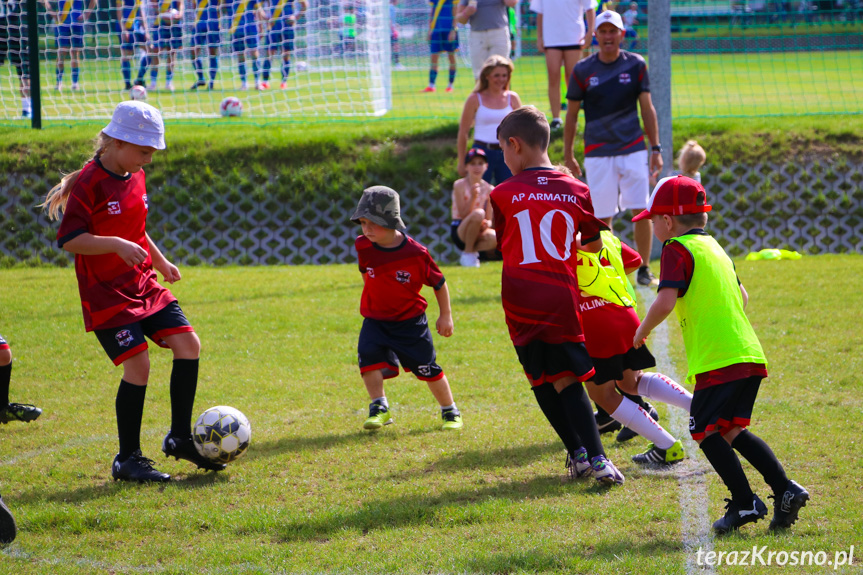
661	388
576	406
442	393
629	414
184	380
726	463
374	382
549	403
5	374
129	404
762	458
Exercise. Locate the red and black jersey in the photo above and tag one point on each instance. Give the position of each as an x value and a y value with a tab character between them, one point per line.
393	278
609	328
104	204
536	216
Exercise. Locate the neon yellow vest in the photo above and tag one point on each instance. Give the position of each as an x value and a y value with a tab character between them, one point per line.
716	331
608	282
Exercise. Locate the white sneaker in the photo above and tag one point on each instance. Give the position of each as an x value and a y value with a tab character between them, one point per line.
151	87
169	86
469	260
75	86
605	472
400	67
244	86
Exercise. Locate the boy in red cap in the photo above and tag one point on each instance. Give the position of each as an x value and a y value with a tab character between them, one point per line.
726	362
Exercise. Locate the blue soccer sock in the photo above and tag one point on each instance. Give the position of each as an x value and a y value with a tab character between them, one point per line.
199	69
214	67
76	72
451	76
154	73
255	69
126	66
432	76
58	73
142	70
267	67
242	71
169	75
286	69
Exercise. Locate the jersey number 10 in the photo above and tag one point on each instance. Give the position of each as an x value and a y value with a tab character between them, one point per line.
528	246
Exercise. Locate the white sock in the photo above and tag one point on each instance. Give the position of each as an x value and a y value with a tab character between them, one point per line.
662	388
26	104
635	418
448	407
382	401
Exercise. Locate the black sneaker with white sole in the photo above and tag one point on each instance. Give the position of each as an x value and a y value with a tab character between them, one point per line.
737	516
137	468
8	529
184	448
605	423
645	277
788	505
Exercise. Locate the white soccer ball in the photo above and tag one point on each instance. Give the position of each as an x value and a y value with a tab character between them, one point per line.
138	93
222	434
231	106
302	65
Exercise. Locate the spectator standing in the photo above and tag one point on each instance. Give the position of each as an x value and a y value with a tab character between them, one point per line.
488	104
489	30
561	37
613	84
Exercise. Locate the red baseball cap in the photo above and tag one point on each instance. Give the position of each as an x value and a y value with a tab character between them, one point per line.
676	196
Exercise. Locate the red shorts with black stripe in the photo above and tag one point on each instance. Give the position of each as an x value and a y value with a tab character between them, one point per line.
125	341
722	407
547	362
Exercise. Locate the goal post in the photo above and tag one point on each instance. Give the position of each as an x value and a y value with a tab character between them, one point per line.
330	60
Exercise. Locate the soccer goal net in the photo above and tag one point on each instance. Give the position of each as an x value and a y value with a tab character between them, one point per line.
286	60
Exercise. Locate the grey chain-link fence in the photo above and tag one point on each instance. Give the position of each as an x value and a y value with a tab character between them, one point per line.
814	207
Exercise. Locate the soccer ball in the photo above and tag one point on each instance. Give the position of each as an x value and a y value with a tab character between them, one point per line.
138	93
222	434
302	66
231	106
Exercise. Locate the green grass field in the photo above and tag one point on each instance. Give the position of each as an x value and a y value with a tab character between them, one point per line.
744	85
317	494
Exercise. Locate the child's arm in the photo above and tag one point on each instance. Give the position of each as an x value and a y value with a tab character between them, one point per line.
444	322
463	204
745	296
661	308
168	270
89	245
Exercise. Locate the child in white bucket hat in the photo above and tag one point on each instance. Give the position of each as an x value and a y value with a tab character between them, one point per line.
104	207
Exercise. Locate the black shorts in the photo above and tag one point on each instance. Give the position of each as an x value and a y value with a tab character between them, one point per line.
721	407
383	344
453	232
565	48
121	343
548	362
612	368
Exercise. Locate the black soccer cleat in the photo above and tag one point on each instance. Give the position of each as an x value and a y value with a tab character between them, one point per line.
735	516
626	433
645	277
184	448
787	506
19	412
137	468
8	529
605	423
140	82
198	84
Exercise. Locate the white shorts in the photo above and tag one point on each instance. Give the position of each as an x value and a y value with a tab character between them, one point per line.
618	183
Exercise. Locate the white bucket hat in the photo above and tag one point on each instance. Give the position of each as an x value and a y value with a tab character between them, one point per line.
137	123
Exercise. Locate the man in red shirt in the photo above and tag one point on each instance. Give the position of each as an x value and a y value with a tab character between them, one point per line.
537	214
395	267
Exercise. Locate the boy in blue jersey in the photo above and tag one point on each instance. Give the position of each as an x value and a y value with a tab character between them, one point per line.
69	19
132	27
206	36
726	362
13	46
443	37
280	38
167	39
244	15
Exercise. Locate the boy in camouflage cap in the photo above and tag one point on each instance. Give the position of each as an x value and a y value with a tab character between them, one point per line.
395	329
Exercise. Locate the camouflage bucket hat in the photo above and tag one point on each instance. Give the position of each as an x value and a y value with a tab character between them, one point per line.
380	205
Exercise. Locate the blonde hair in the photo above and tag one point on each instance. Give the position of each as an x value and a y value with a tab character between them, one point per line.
492	62
55	201
691	158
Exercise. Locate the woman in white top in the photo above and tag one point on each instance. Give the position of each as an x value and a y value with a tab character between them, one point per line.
561	36
488	104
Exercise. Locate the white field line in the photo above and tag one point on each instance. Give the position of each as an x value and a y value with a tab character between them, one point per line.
691	480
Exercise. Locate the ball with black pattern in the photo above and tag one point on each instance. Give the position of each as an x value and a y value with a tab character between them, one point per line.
222	434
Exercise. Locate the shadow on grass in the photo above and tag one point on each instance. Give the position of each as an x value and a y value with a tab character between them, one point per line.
469	506
110	488
320	442
569	559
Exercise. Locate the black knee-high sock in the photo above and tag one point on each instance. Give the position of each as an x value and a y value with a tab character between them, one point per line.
637	399
726	463
549	403
578	411
5	378
762	458
600	412
130	411
184	384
